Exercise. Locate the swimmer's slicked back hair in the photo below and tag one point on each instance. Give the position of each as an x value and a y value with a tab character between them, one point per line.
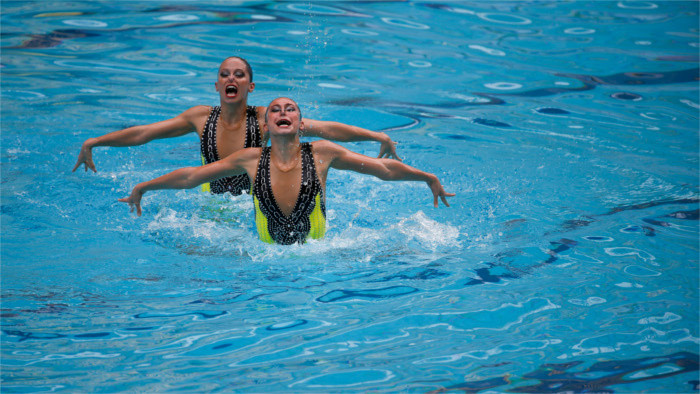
295	103
247	65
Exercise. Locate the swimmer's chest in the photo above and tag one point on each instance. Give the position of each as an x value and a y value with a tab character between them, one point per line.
230	139
286	186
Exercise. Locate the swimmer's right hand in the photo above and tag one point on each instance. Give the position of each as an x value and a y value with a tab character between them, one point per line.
85	156
134	200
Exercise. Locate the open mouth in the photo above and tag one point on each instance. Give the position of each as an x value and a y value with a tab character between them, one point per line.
283	122
231	90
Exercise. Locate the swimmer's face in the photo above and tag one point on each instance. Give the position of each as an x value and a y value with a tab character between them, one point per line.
283	117
233	82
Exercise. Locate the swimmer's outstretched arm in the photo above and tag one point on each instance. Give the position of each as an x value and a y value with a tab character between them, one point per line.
345	133
241	162
139	135
389	170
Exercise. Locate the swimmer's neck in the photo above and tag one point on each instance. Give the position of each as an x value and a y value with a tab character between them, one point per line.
233	113
285	148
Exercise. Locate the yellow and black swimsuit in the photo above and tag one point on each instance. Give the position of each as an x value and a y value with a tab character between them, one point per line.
253	139
307	220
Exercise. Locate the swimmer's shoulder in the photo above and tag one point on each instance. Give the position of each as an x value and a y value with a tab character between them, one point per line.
198	111
246	158
260	112
325	151
197	116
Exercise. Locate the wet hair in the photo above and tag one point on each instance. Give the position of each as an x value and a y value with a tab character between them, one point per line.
248	69
295	103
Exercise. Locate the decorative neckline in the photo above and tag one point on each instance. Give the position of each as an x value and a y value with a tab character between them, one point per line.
301	185
217	157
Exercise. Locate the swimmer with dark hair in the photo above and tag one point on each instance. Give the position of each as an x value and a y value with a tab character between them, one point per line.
289	177
227	128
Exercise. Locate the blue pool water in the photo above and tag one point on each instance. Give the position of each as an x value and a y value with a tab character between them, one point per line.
568	261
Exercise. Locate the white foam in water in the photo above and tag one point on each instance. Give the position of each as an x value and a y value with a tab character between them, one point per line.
184	226
362	244
428	232
219	226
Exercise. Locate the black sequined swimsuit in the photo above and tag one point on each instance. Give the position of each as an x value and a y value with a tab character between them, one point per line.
308	218
253	139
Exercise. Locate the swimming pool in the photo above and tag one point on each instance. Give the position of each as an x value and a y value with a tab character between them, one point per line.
567	262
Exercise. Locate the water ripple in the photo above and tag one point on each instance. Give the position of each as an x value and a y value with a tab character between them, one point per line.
341	380
614	342
567	262
386	292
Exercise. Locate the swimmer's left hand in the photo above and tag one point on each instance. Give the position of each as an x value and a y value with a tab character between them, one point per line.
438	192
134	200
85	157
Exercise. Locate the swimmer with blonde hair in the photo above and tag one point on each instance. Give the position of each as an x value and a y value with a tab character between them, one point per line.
289	177
227	128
